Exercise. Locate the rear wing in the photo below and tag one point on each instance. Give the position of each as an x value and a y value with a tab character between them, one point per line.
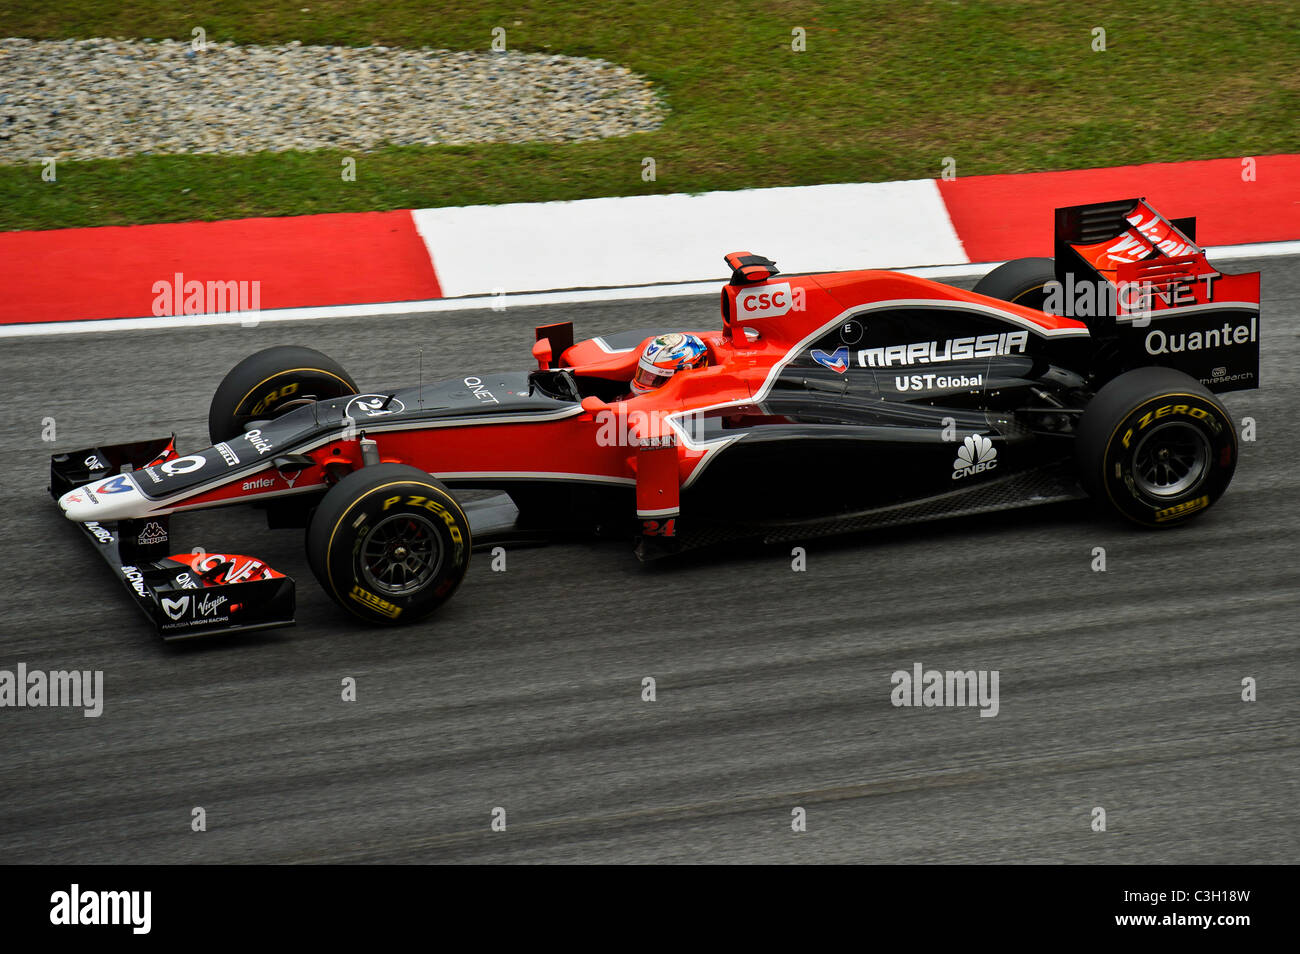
185	595
1145	288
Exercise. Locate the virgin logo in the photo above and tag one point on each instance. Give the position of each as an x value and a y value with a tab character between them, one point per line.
764	301
1130	248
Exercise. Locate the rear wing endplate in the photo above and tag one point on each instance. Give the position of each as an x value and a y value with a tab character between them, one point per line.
1158	299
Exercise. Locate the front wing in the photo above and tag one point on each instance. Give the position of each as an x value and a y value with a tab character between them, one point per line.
185	595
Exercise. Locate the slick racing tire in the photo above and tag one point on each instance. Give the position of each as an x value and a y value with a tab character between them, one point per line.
1021	282
272	382
389	544
1156	446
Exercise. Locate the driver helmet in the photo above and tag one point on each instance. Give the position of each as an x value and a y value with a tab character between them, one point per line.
665	356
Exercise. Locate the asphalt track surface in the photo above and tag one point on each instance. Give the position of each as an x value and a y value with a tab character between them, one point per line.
1118	690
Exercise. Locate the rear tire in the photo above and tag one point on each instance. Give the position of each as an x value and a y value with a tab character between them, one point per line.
1021	282
1156	447
271	382
389	544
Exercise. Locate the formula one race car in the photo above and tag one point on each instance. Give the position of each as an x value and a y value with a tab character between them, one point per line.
825	404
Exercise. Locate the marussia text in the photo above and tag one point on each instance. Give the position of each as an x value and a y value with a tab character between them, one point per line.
938	352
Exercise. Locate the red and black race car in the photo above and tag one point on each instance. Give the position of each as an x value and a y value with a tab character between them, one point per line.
828	403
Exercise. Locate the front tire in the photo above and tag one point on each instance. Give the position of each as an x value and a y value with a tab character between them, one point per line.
1156	446
389	544
272	382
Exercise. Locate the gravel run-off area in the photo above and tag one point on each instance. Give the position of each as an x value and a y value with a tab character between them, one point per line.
113	98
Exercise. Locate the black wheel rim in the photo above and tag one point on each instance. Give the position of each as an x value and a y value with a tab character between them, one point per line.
401	555
1171	460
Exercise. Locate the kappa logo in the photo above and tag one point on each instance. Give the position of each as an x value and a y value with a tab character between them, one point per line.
152	533
975	456
837	360
175	609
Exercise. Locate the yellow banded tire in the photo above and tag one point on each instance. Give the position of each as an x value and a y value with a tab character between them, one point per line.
389	544
271	382
1156	447
1022	281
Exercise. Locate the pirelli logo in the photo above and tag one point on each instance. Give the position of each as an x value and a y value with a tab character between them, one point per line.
376	603
1187	506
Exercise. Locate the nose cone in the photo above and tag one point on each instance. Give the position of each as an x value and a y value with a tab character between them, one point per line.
117	498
